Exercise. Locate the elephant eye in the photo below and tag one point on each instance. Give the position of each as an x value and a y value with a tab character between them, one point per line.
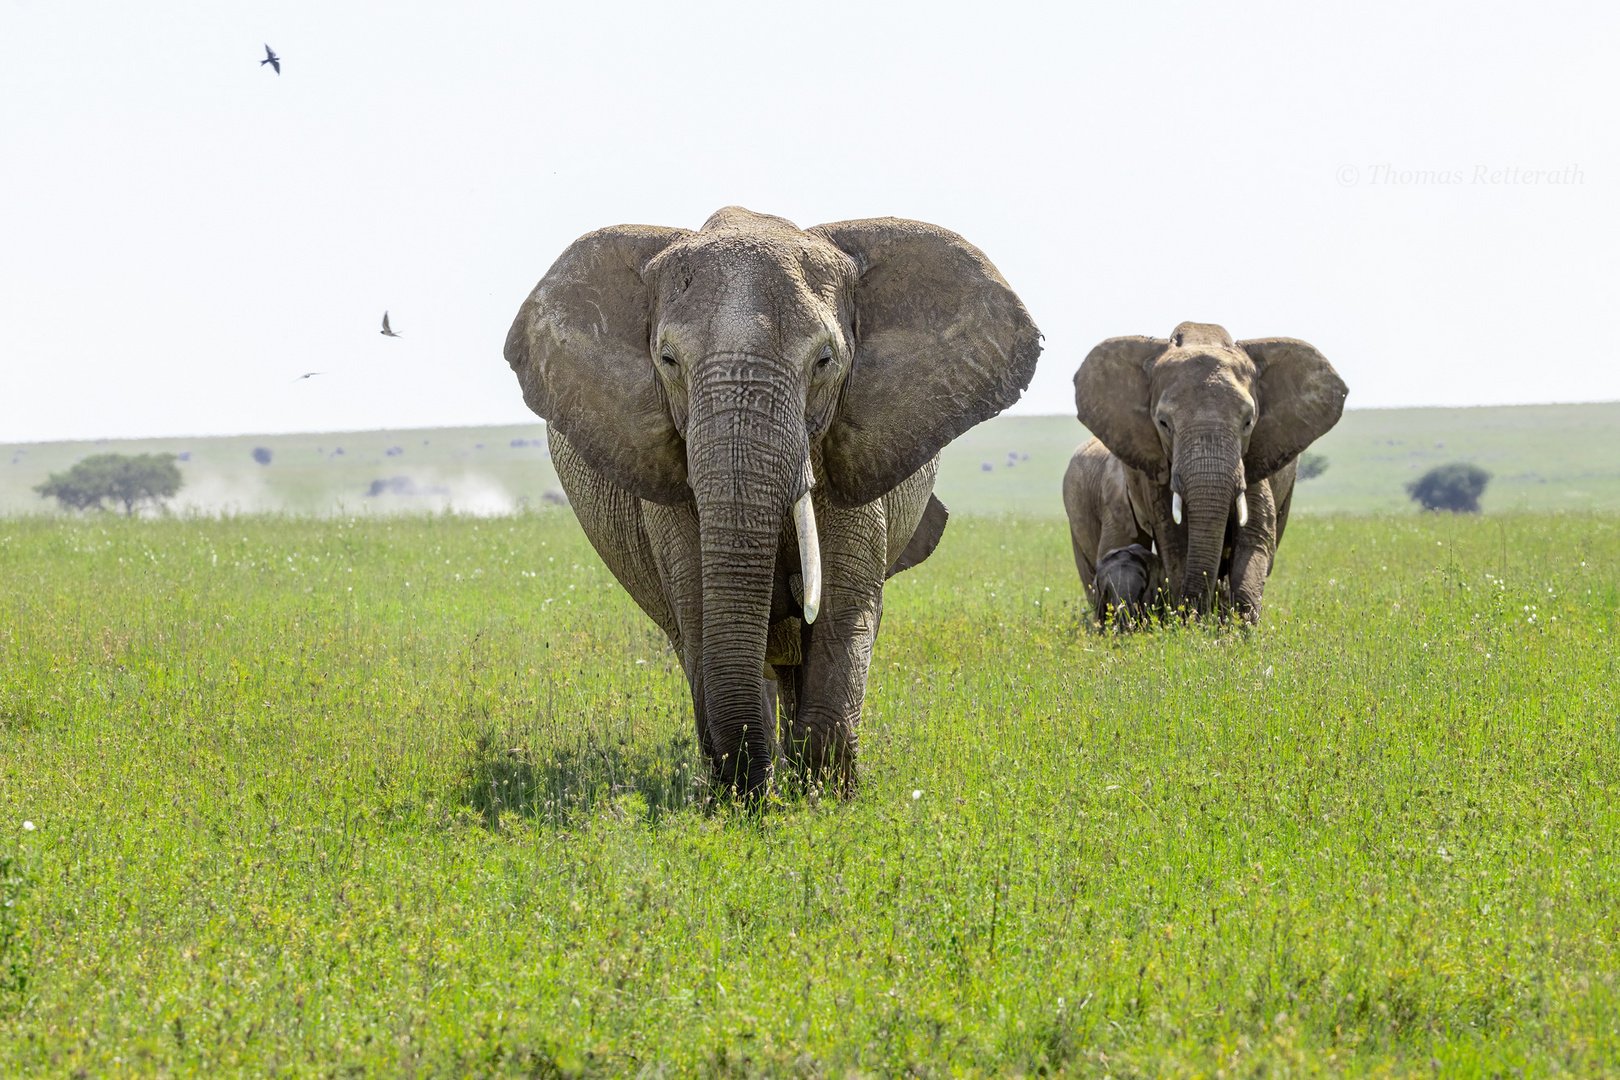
668	358
826	356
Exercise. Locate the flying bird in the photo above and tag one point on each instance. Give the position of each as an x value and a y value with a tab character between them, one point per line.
272	59
308	375
387	331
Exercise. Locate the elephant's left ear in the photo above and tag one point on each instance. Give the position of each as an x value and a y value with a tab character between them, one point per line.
941	343
1300	397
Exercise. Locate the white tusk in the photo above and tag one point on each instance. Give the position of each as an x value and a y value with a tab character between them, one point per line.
1175	507
804	522
1243	510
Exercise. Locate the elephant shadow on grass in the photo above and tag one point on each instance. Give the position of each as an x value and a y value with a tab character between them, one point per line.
557	783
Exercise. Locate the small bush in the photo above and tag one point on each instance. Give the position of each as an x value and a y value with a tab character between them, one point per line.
262	454
1455	487
1311	465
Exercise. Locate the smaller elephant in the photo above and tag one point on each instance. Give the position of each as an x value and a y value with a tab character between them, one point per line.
1107	528
1194	457
1130	584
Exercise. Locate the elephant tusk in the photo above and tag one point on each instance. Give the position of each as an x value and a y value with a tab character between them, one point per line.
1242	510
804	522
1175	507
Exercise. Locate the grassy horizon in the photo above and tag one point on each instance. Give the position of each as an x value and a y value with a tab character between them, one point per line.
1542	457
420	796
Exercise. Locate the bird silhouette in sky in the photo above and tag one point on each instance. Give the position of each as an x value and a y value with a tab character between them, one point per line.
387	331
272	59
308	375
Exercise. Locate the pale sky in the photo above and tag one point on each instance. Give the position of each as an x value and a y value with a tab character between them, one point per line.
183	232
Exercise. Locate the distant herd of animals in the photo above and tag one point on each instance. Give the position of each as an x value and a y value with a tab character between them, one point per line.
747	420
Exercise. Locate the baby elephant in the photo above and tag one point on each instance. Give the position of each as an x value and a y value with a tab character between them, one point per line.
1130	581
1194	458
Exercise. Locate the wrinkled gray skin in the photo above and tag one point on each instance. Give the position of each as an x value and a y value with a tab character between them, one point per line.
696	384
1214	421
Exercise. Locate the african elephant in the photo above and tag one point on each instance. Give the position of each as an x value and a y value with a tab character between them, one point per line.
1206	432
747	420
1130	584
1122	574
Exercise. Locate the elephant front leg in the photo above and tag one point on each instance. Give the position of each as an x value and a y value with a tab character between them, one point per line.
837	649
1253	550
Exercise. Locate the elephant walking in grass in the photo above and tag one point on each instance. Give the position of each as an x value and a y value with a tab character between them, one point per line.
747	420
1194	457
1122	573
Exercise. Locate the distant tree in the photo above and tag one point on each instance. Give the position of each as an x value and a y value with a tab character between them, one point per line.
261	454
1455	487
118	478
1311	465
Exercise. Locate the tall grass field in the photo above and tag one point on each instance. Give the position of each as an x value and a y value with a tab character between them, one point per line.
373	796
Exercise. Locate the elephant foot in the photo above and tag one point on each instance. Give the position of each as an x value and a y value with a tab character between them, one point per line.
735	779
817	756
746	774
822	758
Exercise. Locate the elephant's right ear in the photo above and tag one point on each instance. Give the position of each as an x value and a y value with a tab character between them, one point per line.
1300	398
941	343
580	348
1111	392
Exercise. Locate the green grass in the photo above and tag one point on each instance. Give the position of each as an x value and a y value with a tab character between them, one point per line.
1543	457
338	797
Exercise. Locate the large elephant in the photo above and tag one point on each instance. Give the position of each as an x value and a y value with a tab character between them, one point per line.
1206	432
747	420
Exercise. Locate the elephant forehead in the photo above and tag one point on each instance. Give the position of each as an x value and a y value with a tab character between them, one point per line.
1202	381
733	281
1203	371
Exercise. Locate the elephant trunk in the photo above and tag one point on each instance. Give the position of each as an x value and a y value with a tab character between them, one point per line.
1208	475
748	464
